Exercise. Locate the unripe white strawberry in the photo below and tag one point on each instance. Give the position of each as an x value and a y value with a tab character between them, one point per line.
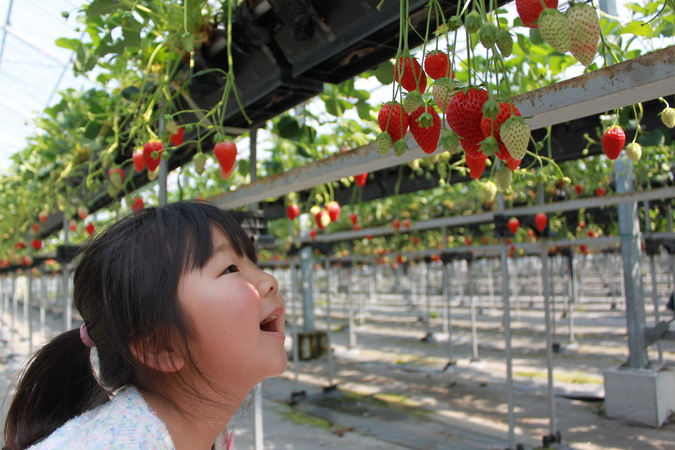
584	32
489	191
668	117
634	151
555	29
515	134
442	91
503	178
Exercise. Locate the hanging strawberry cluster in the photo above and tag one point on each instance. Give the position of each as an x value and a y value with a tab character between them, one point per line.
478	117
453	117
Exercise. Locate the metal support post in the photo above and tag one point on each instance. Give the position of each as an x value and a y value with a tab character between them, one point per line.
553	436
447	318
306	263
629	229
29	299
258	417
472	309
350	300
329	337
298	393
572	301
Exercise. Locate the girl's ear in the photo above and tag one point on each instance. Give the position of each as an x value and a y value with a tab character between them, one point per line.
160	356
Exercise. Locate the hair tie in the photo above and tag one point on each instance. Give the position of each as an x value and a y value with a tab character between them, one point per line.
86	340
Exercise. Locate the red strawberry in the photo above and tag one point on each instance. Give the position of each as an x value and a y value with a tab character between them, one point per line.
415	240
116	176
600	191
354	218
292	211
476	165
36	228
312	233
487	124
513	163
540	221
42	217
138	205
613	140
139	161
425	126
177	138
530	10
396	224
513	225
409	74
36	244
152	151
467	240
393	120
19	245
578	188
360	180
333	209
226	154
582	224
437	65
89	228
72	225
406	223
464	116
356	227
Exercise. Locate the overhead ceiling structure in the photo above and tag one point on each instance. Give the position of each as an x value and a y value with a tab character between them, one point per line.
32	67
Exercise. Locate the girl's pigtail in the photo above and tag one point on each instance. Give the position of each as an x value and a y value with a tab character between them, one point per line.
58	384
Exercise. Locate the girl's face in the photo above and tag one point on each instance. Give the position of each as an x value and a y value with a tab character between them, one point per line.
238	315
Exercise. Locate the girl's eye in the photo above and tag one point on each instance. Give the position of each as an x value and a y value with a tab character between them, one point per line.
231	269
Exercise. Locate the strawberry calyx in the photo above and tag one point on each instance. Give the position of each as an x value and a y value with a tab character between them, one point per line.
489	145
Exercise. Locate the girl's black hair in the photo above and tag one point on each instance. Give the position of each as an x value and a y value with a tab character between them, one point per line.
125	288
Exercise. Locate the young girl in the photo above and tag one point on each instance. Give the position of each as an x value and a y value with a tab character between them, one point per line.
184	325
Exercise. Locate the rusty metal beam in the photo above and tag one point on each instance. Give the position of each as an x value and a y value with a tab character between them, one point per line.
640	79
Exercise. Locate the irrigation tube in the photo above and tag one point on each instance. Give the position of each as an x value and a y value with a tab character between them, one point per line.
549	337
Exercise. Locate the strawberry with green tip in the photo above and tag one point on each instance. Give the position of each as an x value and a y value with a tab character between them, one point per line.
425	127
116	176
554	27
584	32
613	139
515	133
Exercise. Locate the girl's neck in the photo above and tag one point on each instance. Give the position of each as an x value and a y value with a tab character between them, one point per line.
193	426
